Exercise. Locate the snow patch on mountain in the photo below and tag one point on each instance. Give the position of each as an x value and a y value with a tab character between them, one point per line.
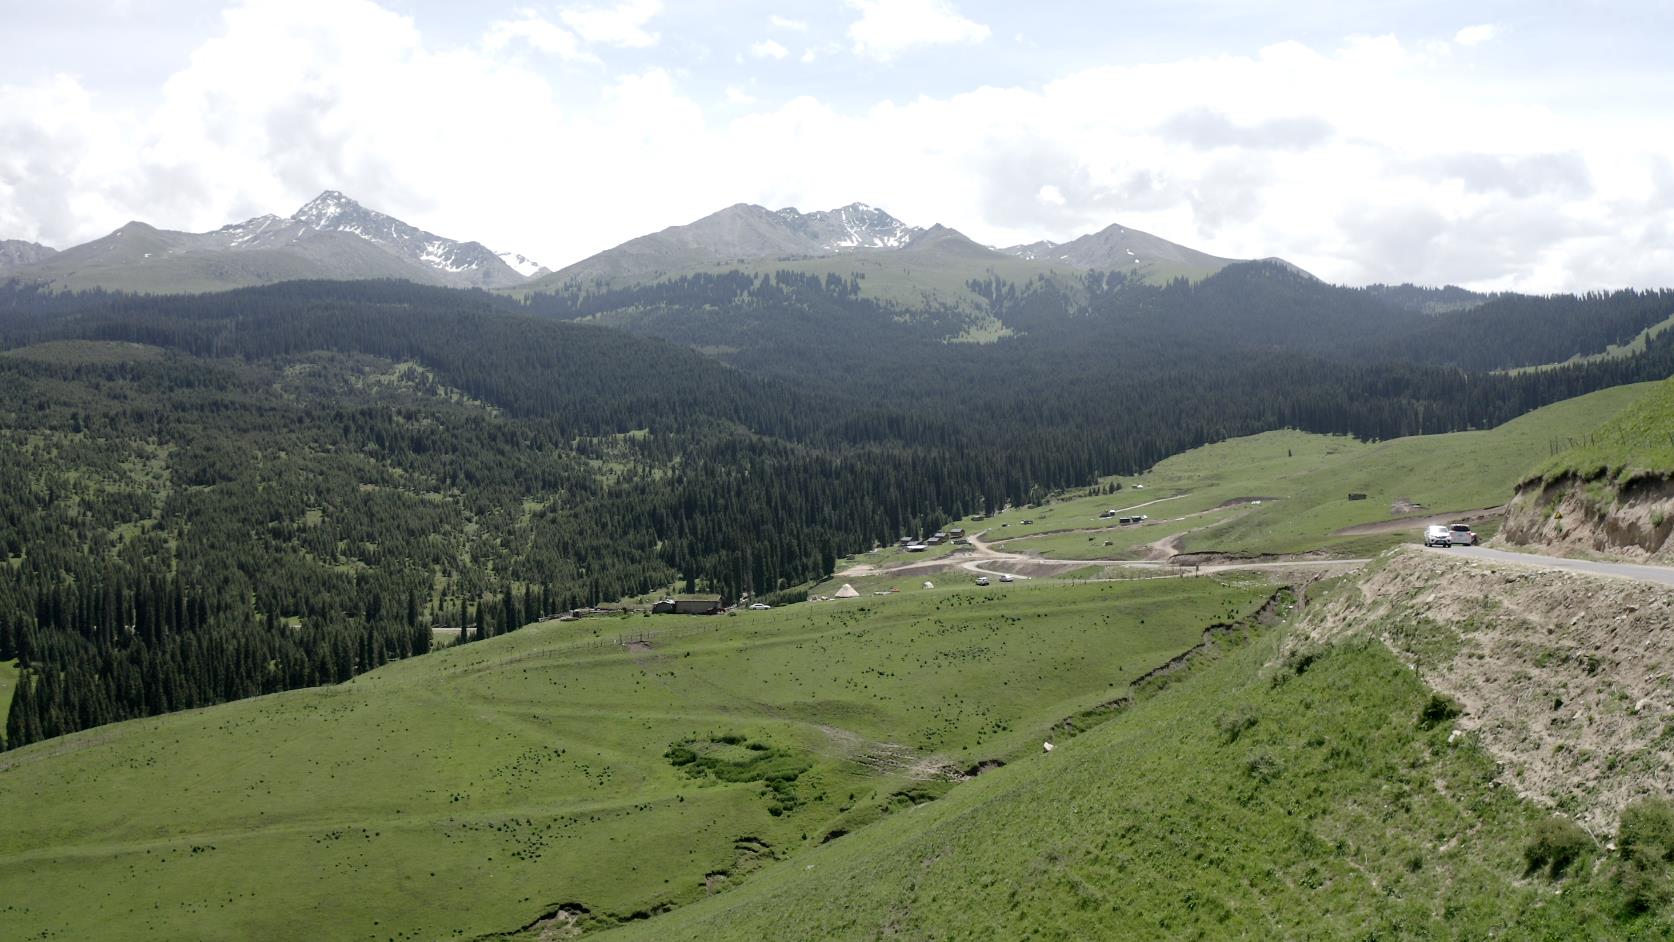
522	264
850	228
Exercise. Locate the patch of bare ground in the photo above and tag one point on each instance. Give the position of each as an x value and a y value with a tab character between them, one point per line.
1566	679
889	758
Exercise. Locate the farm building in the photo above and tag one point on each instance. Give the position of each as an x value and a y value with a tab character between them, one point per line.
688	605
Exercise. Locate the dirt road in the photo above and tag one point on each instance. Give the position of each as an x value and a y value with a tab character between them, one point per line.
1662	575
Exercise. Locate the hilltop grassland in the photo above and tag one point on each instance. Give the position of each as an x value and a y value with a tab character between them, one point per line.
1638	441
1207	496
1275	792
480	788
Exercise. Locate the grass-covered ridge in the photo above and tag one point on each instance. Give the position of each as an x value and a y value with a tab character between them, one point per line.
474	790
1636	443
1303	481
1321	797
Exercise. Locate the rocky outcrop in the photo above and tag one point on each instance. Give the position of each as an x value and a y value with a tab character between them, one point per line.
1632	520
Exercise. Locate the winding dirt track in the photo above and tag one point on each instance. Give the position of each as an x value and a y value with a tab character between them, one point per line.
985	559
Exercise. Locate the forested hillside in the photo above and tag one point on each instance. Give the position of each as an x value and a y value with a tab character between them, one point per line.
214	496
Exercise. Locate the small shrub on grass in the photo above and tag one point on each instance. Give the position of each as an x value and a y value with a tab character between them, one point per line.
1263	766
1645	843
1437	710
1234	723
1557	843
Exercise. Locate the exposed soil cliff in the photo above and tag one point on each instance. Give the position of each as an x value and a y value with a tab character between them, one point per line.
1566	679
1631	520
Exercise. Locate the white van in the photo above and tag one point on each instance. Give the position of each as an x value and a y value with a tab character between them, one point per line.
1438	535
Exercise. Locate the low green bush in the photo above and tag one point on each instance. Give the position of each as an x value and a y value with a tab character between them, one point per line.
1555	846
1645	845
1437	710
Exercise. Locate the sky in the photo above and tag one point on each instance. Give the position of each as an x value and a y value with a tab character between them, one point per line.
1523	145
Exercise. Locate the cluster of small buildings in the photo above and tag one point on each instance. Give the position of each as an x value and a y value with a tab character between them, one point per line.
1124	521
955	535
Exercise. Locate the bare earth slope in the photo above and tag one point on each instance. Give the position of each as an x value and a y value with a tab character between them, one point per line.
1566	678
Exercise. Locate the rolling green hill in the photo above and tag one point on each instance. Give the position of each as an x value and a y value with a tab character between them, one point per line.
1303	482
1638	441
1324	796
476	789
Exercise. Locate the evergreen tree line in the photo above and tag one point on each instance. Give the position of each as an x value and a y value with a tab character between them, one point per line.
289	485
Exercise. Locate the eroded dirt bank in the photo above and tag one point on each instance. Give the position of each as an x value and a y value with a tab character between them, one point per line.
1566	679
1630	521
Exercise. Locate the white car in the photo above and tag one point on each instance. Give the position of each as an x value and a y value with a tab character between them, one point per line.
982	580
1461	535
1006	577
1438	535
759	607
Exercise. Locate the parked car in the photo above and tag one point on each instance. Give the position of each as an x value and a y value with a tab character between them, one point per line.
1461	535
982	580
1438	535
1006	577
759	607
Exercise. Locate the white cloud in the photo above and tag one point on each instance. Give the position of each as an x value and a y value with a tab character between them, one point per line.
1371	161
538	32
781	22
768	49
619	25
1475	35
887	28
807	56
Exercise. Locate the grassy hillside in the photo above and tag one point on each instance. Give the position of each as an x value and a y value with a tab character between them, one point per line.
8	686
1615	351
1303	481
1639	440
1249	800
475	789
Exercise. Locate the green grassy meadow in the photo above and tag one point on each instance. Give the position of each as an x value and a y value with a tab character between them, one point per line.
475	789
1251	799
1304	480
1637	441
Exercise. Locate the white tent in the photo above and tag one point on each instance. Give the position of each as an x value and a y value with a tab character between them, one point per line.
846	592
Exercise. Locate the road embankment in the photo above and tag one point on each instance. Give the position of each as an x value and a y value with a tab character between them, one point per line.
1630	519
1566	677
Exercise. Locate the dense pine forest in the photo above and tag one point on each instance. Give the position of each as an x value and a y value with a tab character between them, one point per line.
210	497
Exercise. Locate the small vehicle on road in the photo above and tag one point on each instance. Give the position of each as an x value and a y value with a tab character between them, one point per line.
1006	577
760	607
1437	535
982	580
1461	535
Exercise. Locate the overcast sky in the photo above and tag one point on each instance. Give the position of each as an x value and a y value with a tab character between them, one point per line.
1524	145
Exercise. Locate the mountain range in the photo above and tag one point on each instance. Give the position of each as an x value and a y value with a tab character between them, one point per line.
745	233
15	253
334	237
331	237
